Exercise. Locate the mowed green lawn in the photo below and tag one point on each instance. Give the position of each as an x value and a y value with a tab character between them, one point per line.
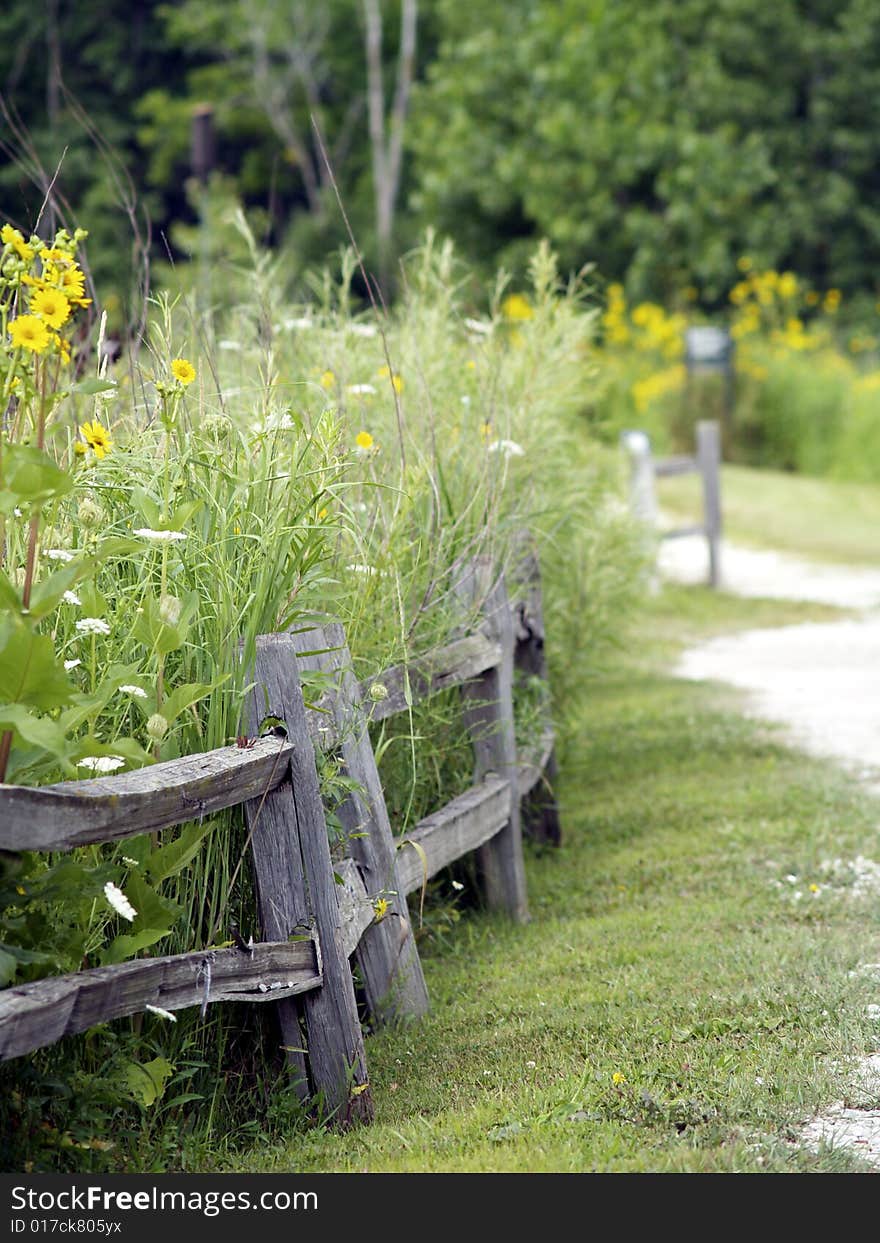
678	1002
827	519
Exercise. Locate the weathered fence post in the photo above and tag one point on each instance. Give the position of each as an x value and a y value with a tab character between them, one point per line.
488	714
297	890
709	464
539	812
642	495
387	954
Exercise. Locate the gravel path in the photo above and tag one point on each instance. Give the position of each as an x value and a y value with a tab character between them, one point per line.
821	681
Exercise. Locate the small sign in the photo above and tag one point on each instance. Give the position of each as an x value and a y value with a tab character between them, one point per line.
708	346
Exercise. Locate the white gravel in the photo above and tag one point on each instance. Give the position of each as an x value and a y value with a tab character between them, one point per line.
821	683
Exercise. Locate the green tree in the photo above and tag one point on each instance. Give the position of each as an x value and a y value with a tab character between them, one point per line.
660	141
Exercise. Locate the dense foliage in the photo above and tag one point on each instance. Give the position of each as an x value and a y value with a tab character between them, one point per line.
657	141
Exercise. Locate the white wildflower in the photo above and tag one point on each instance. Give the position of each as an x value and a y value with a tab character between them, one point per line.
456	884
226	344
101	763
508	447
17	512
362	569
161	537
58	554
531	1065
119	901
70	597
71	664
302	322
137	691
360	390
163	1014
92	625
465	401
481	326
363	330
129	862
873	1012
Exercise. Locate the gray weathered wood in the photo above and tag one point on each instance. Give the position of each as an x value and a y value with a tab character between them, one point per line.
108	809
38	1014
539	812
488	714
356	910
683	465
642	496
387	955
709	458
465	823
297	889
451	665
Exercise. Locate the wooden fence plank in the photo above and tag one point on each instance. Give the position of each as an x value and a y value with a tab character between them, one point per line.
38	1014
387	956
709	459
539	811
451	665
108	809
297	889
465	823
488	713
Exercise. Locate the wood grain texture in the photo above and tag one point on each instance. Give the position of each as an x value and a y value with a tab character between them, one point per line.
356	910
387	956
296	887
488	714
108	809
38	1014
465	823
447	666
538	772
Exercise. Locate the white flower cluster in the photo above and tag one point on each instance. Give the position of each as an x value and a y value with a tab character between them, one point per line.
101	763
159	537
92	625
508	447
119	901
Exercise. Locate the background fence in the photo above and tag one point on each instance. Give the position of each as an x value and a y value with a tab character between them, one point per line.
316	913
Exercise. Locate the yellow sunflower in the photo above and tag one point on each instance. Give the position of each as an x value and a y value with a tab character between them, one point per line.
97	438
29	333
183	371
51	306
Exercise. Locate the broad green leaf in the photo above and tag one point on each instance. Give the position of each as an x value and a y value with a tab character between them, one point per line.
168	860
30	476
146	1081
30	672
145	505
9	597
182	696
38	731
128	944
153	911
47	594
91	386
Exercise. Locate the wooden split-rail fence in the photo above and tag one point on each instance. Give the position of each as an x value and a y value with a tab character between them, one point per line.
312	925
645	469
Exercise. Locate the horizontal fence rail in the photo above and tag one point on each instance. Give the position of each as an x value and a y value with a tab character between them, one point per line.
316	912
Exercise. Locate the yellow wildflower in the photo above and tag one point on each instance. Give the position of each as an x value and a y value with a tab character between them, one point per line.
485	430
12	237
328	379
97	438
364	441
744	263
183	371
385	373
51	306
832	301
617	1078
29	333
380	908
517	307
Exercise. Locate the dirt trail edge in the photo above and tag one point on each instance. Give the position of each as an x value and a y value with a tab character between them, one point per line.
821	683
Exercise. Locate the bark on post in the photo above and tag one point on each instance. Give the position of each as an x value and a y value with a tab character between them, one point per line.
387	955
297	891
539	812
488	714
709	464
